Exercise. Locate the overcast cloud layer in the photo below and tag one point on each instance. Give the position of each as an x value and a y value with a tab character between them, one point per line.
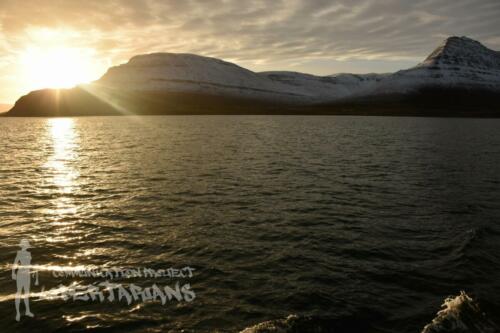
322	37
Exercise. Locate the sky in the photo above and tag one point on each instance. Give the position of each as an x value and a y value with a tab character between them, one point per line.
41	41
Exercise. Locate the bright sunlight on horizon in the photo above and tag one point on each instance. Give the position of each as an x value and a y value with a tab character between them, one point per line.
53	58
57	67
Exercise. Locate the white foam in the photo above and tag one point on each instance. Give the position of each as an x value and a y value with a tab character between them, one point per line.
461	314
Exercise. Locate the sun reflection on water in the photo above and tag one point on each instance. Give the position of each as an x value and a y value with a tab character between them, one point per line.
63	136
62	179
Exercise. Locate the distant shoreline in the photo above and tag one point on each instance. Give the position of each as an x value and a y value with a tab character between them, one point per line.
284	114
430	102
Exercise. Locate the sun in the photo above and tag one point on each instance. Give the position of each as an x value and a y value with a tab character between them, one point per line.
56	67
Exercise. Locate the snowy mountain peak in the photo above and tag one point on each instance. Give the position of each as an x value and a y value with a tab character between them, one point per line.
463	52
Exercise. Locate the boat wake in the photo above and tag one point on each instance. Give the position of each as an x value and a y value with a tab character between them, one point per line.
459	314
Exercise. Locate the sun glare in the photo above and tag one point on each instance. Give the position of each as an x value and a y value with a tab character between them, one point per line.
56	67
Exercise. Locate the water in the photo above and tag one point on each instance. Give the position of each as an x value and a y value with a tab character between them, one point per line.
357	223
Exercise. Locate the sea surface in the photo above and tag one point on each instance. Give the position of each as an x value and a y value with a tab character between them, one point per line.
358	224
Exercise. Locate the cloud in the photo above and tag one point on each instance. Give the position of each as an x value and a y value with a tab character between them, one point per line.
255	33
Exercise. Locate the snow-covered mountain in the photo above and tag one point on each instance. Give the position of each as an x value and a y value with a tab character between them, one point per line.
194	74
463	52
189	80
458	61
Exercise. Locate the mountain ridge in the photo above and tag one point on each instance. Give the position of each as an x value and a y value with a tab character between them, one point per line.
459	64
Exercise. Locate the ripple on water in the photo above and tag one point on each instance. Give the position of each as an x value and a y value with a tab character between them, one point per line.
353	223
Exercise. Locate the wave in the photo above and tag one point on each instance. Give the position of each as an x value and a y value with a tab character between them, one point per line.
280	325
317	324
461	314
292	323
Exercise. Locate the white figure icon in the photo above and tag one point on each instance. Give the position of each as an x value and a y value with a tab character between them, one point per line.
23	278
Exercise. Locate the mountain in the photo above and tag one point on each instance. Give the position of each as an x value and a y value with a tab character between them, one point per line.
463	52
194	74
461	77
